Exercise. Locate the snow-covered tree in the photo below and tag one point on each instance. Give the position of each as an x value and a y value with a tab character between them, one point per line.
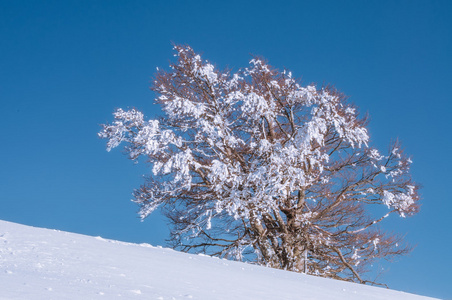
253	166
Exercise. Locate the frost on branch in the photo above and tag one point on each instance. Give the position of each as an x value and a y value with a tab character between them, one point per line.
254	166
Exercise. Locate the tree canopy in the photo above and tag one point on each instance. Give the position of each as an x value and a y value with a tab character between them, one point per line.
253	166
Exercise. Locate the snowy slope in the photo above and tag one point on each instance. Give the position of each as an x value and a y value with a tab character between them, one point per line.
46	264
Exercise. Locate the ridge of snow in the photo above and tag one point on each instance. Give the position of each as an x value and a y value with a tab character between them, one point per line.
37	263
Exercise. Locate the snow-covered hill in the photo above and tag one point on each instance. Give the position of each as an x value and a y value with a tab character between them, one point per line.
38	263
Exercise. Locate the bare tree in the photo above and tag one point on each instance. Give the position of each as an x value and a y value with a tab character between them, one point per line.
253	166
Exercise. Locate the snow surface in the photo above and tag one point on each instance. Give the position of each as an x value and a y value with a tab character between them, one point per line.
38	263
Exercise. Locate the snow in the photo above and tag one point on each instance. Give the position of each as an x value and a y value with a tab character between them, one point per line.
38	263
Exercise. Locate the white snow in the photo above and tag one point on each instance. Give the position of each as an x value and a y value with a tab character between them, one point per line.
38	263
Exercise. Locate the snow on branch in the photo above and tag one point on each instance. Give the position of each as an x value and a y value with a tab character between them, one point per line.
253	165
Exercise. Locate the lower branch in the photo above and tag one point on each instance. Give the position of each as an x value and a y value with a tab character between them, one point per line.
347	264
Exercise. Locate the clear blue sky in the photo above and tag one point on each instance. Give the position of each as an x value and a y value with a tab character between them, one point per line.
66	65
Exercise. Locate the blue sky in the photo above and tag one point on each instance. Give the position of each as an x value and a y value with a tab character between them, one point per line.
66	65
